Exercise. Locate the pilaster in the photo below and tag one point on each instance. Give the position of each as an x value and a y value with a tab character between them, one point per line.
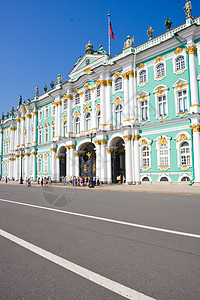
137	157
98	159
196	149
128	158
108	105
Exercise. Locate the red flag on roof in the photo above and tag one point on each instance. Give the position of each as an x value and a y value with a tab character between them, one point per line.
111	32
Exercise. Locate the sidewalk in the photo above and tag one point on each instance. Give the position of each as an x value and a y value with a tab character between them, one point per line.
154	187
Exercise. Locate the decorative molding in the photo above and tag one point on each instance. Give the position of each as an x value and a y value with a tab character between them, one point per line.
141	65
109	82
191	50
195	128
117	101
23	118
92	89
109	151
163	141
28	116
178	50
103	83
69	97
125	75
117	74
86	85
159	58
180	85
136	137
87	70
75	91
127	137
183	137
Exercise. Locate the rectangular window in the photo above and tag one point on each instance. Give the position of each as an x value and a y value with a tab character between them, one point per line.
46	135
39	136
53	110
144	110
46	113
40	115
162	106
53	131
182	101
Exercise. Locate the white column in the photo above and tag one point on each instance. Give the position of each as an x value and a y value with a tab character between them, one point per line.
93	113
72	157
22	140
103	108
131	96
57	168
59	105
34	165
108	105
82	114
196	148
98	159
109	167
68	162
76	172
28	141
17	134
69	115
195	107
128	158
133	163
34	128
126	100
137	157
53	162
103	161
27	164
16	166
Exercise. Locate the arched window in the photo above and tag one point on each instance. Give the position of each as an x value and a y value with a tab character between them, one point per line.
145	157
77	125
164	155
88	95
118	114
98	91
77	99
39	164
88	122
46	134
45	163
145	179
98	119
65	128
118	84
144	110
52	131
185	154
185	178
40	136
162	106
180	63
164	178
64	104
143	76
160	70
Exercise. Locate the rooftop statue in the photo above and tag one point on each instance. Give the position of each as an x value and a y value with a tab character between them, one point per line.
2	116
20	100
129	42
59	79
101	50
45	88
150	32
77	61
89	48
188	9
36	91
52	84
168	23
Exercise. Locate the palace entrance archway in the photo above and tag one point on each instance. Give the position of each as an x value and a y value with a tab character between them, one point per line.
62	161
117	159
85	160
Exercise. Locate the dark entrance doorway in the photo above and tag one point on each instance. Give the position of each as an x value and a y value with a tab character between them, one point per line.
118	159
62	154
85	160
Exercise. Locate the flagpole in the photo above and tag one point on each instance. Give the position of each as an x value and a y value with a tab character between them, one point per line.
109	34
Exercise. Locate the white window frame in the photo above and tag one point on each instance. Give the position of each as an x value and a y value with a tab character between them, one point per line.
77	99
53	110
40	115
98	91
143	96
180	138
183	86
64	104
120	112
175	57
98	119
46	112
138	77
88	121
160	91
46	134
65	128
39	164
88	95
45	163
77	123
114	85
53	131
144	141
155	70
40	136
159	141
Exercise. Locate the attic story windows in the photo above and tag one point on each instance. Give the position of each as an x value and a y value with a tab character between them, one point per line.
180	63
88	95
160	70
77	99
118	84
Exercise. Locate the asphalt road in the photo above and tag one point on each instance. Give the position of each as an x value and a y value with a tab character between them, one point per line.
148	260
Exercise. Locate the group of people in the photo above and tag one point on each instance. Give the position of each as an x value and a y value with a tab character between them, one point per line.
44	181
79	180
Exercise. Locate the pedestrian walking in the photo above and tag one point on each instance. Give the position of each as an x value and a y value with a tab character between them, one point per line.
6	180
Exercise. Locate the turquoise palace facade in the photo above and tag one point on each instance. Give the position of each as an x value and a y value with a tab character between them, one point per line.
141	106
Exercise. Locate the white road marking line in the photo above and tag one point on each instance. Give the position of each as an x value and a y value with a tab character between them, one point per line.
92	276
197	236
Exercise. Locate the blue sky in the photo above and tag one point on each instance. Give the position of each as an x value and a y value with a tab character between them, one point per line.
41	38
